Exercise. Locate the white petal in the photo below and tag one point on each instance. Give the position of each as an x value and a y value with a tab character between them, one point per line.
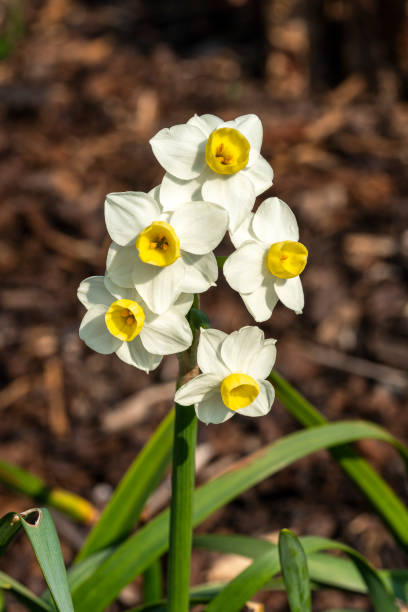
120	263
201	272
155	193
290	293
194	390
122	293
166	334
92	291
180	150
251	127
175	192
263	402
274	222
135	354
183	304
209	352
244	232
260	175
159	287
260	303
212	409
240	348
128	213
234	192
206	123
263	362
200	226
243	269
95	334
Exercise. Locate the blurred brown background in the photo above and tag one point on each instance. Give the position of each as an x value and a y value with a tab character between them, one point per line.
83	86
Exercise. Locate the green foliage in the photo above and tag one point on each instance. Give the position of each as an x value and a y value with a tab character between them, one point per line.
22	481
40	530
24	595
126	504
293	564
385	502
133	556
108	561
43	538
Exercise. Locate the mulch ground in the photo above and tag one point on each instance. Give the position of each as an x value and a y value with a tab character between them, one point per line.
78	104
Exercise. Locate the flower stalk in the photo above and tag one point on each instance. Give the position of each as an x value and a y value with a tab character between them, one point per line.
182	489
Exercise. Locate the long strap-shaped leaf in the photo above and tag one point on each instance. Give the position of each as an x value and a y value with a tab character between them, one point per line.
324	569
138	551
143	476
24	595
382	497
234	596
78	508
9	525
295	572
43	537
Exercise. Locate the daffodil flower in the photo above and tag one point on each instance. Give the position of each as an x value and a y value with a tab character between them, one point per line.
233	370
207	158
160	254
266	266
118	321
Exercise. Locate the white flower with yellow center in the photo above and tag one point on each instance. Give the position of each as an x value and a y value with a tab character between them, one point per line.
266	266
162	254
213	160
233	370
118	321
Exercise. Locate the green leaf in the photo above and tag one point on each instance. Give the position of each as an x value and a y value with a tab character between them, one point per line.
152	582
9	525
253	578
293	563
237	592
126	504
42	534
138	551
324	569
386	503
22	481
83	570
198	318
24	595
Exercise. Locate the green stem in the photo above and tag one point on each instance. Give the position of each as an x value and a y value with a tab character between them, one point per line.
221	259
181	509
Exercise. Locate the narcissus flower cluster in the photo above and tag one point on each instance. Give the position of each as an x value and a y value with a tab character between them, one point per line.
162	254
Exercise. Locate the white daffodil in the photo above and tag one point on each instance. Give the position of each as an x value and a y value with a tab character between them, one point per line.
266	266
118	321
207	158
233	370
162	254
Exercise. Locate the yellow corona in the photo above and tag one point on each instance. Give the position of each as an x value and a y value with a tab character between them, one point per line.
286	259
227	151
238	391
158	244
124	319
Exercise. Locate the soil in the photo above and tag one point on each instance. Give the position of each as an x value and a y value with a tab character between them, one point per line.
82	89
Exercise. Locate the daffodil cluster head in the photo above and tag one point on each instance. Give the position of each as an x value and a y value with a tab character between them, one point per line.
162	253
